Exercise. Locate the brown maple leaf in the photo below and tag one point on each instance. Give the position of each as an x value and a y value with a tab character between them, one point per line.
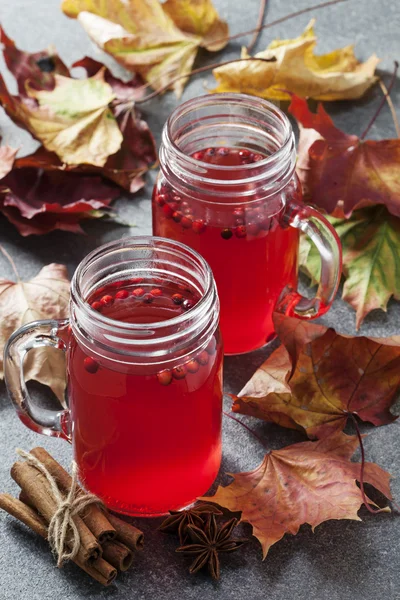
46	296
337	168
317	379
308	482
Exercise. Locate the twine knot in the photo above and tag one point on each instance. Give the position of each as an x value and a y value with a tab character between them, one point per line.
62	525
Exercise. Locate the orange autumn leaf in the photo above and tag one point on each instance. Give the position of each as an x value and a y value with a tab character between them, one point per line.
335	167
309	482
319	379
291	66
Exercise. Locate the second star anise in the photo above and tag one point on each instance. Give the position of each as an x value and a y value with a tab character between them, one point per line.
208	543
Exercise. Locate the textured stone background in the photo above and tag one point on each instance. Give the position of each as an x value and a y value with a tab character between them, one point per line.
341	560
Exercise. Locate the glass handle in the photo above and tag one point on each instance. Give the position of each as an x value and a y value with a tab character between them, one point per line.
38	334
325	238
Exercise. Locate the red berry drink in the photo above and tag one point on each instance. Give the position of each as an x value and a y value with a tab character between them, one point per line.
228	189
146	436
252	256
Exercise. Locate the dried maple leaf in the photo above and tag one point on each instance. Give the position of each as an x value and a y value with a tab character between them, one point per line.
37	201
294	67
107	113
159	41
7	157
309	482
337	168
46	296
319	379
370	242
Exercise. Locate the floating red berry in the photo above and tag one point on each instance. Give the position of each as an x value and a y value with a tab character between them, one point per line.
198	226
244	153
148	298
164	377
177	298
136	280
96	306
156	292
90	365
187	222
257	157
177	216
168	210
122	294
198	155
226	234
192	366
187	304
184	205
241	231
209	152
117	284
176	198
138	292
203	358
161	199
106	300
223	151
179	372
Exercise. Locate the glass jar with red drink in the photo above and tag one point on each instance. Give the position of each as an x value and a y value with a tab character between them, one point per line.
144	361
228	189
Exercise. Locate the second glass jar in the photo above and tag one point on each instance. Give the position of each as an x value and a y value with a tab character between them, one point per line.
228	189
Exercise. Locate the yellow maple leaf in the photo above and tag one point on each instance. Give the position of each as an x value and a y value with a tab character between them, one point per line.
293	66
159	41
74	120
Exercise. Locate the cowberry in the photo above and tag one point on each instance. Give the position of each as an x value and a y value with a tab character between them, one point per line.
198	226
177	216
90	365
198	155
177	298
187	304
148	298
187	221
179	372
203	358
164	377
241	231
192	366
122	294
161	199
168	210
96	306
106	300
138	292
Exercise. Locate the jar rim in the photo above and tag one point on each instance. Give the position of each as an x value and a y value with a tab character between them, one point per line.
227	97
150	241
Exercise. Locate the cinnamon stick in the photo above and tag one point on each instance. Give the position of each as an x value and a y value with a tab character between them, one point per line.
127	534
118	555
94	517
99	569
37	489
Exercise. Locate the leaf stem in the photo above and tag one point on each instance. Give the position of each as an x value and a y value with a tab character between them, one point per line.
253	433
391	107
382	102
362	469
11	261
195	72
260	20
292	15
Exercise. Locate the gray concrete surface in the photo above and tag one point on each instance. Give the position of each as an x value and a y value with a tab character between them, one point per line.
341	560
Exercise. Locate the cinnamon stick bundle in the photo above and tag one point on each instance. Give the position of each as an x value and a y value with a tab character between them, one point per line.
118	555
38	491
99	569
128	534
93	517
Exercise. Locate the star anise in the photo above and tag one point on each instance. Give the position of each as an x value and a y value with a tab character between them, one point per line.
207	544
180	519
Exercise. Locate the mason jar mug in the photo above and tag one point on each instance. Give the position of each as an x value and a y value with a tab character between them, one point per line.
144	372
228	189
